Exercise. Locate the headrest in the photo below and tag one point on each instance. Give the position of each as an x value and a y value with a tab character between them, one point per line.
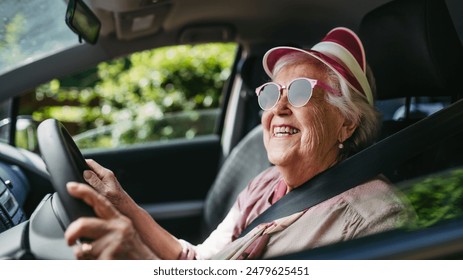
252	73
413	49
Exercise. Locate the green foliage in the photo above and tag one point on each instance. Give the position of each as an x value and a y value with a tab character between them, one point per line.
9	42
436	198
136	93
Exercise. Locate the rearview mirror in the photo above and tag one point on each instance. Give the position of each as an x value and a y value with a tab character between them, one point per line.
83	21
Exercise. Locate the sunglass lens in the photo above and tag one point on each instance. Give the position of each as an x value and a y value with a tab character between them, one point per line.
268	96
299	92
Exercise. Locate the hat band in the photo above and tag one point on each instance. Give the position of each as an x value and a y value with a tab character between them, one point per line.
354	75
339	69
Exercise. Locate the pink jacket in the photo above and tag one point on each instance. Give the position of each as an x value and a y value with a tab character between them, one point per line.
369	208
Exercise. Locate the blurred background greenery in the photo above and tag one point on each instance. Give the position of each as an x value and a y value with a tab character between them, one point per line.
165	93
437	197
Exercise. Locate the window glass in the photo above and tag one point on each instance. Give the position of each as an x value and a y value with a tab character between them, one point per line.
420	107
160	94
432	181
435	197
30	30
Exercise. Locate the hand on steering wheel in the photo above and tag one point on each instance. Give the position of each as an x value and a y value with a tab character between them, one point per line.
93	218
113	233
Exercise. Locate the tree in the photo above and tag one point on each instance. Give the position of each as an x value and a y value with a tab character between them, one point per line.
9	41
436	197
139	92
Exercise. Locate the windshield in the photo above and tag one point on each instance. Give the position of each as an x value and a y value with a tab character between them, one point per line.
30	30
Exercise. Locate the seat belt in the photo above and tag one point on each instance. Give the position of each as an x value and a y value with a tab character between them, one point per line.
381	157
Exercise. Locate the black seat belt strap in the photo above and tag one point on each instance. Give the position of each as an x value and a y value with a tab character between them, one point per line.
381	157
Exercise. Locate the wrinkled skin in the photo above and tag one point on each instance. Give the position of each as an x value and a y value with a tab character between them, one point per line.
114	234
121	230
320	128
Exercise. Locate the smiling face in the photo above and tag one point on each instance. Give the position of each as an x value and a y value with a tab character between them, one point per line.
303	141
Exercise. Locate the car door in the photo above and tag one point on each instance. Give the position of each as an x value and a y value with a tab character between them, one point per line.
169	180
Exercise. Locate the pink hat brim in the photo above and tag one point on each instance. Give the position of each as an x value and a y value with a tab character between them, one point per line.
340	36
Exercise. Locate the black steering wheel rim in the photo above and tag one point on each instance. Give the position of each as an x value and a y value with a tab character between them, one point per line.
65	163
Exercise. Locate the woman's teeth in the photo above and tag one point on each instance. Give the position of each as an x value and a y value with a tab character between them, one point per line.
284	130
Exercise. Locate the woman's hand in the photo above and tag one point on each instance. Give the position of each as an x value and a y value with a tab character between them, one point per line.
131	218
113	234
106	183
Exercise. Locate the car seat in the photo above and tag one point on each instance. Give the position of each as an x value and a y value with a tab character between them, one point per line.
414	51
247	159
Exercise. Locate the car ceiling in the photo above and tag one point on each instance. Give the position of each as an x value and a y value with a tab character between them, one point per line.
247	21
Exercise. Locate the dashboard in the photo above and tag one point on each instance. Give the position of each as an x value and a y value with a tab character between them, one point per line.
14	189
31	215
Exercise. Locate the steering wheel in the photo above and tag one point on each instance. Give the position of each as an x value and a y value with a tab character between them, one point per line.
65	163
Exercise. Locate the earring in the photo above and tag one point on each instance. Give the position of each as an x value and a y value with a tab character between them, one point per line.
341	146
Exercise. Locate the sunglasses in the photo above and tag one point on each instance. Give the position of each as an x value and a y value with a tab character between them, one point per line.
299	92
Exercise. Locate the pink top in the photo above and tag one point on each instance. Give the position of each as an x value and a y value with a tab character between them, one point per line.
269	186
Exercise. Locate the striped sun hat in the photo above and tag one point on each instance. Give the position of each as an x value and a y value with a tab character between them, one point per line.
341	50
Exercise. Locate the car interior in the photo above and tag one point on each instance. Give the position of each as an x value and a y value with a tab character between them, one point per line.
428	50
422	31
414	47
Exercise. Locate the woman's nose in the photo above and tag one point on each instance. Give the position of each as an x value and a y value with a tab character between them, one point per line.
282	103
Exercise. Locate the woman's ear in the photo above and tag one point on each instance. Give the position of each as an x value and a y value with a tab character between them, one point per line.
347	129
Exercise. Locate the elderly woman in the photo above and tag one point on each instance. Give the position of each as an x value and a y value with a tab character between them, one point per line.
318	110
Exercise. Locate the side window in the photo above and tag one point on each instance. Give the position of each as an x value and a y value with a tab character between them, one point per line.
160	94
437	197
420	107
